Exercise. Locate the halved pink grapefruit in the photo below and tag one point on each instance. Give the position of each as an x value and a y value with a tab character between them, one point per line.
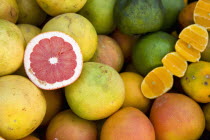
53	60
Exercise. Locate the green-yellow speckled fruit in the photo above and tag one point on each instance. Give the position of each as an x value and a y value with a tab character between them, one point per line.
57	7
11	47
79	28
97	93
9	10
22	106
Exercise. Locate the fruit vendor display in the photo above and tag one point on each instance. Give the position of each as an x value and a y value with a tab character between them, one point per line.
105	70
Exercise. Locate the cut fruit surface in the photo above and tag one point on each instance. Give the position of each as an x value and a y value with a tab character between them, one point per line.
175	63
187	51
202	13
53	60
157	82
196	36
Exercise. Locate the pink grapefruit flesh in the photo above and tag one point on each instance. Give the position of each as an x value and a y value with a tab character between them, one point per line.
53	60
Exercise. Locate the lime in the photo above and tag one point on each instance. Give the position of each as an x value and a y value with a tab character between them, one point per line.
150	49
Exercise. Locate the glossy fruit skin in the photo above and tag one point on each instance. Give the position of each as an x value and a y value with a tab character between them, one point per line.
12	47
54	7
177	117
195	82
108	52
150	49
93	11
127	123
19	100
79	28
68	126
97	93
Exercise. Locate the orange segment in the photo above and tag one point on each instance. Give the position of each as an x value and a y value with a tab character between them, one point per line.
202	13
175	64
157	82
187	51
196	36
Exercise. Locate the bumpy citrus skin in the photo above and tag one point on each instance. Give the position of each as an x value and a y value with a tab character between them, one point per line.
78	28
9	10
97	93
11	47
55	7
196	81
23	107
177	117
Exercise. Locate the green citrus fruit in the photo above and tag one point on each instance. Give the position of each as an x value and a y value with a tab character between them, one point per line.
172	9
150	49
100	14
138	16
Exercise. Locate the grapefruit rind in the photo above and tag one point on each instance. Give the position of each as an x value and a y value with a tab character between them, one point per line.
157	82
201	14
56	85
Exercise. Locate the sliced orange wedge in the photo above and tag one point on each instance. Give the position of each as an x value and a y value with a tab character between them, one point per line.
175	63
187	51
196	36
157	82
201	13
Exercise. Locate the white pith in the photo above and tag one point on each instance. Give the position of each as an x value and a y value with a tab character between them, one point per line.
29	50
53	60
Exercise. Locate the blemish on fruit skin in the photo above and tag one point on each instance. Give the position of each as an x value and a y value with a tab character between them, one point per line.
193	77
207	76
205	83
9	128
209	96
23	109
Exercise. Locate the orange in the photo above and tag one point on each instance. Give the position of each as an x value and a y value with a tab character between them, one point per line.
202	12
175	64
157	82
133	94
185	17
186	51
196	36
196	81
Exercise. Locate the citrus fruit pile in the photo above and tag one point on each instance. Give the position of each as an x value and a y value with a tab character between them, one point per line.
105	70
